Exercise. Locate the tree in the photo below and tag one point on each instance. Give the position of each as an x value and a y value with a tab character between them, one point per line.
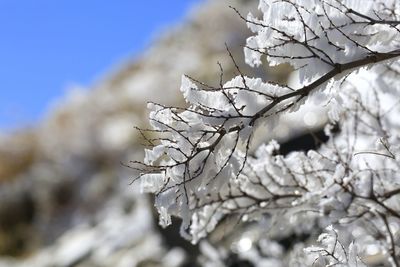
202	168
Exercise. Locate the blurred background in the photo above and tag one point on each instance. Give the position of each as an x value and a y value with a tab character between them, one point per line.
75	77
48	46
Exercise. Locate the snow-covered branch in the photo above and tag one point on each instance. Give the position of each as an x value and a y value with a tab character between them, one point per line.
201	167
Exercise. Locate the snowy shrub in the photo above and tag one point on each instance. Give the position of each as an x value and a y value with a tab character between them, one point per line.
345	195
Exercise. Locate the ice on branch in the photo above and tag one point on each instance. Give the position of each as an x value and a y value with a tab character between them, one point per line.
333	252
314	36
200	166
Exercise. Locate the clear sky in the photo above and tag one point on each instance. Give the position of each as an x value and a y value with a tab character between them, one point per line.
46	45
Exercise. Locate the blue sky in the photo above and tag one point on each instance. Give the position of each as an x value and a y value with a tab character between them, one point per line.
46	45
